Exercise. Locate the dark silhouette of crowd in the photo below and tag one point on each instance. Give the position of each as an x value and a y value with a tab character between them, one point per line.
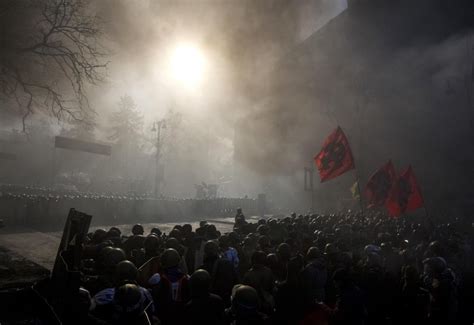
350	268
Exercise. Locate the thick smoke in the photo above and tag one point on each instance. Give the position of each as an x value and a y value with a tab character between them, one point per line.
399	85
241	40
280	76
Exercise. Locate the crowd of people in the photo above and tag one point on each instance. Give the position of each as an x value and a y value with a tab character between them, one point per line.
351	268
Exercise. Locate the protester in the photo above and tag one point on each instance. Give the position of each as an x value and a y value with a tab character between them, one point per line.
204	307
348	268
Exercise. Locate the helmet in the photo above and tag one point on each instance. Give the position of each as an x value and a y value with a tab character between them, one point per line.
172	243
99	235
244	297
170	258
200	282
211	248
436	264
330	249
371	249
187	228
137	229
175	233
111	257
262	229
224	241
126	270
151	243
284	251
313	253
114	232
264	241
271	260
127	298
435	247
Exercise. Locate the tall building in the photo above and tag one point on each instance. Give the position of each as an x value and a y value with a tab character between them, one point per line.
397	76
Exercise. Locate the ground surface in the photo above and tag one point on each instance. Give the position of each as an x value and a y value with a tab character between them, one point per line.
15	269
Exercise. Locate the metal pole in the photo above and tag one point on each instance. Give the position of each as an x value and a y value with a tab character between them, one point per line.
158	147
358	189
311	182
159	125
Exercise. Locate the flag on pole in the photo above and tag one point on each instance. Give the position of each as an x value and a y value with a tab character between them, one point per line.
335	158
355	191
380	184
405	195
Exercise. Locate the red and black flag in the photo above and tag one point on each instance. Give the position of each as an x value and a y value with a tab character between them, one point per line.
380	184
335	158
405	195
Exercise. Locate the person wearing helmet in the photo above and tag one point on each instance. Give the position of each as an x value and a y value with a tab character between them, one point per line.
204	307
414	300
106	262
134	242
173	291
98	236
175	244
114	235
137	229
314	276
125	273
288	298
151	246
77	310
350	307
155	231
223	274
261	279
239	221
125	304
440	281
245	307
229	253
374	283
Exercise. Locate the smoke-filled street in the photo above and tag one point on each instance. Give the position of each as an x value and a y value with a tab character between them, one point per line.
237	162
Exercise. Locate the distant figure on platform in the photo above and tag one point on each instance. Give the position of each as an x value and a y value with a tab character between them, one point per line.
239	222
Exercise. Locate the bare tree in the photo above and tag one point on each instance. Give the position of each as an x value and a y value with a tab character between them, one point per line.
49	51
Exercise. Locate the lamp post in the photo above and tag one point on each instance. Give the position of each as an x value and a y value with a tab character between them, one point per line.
157	127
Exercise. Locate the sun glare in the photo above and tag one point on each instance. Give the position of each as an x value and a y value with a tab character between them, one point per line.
187	64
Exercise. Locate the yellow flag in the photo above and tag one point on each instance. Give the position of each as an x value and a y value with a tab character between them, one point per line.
355	191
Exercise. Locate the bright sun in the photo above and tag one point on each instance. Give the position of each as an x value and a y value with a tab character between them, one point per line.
187	64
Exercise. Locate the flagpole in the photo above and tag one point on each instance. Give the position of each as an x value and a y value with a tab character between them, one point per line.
358	189
356	173
311	181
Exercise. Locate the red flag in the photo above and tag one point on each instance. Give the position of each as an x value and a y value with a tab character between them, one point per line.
335	158
380	184
405	195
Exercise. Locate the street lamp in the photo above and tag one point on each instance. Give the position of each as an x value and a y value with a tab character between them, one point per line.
157	127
